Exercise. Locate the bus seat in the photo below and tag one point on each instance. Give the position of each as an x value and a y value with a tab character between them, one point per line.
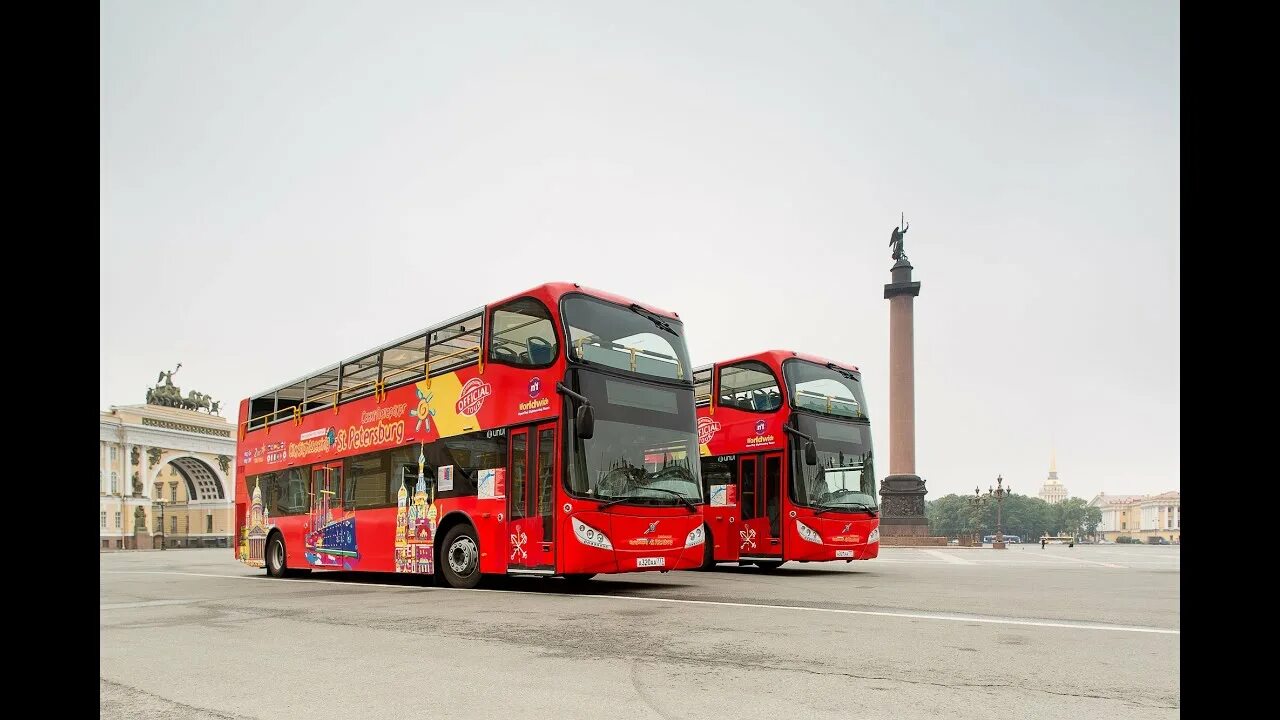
541	352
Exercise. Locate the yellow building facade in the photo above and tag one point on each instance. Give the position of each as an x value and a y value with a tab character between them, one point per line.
1140	517
166	477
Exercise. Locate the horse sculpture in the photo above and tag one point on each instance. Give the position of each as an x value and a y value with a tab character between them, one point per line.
167	394
195	400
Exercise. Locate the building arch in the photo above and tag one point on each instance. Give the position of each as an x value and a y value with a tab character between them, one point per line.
204	481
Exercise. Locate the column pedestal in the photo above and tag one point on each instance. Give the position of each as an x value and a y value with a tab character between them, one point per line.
902	507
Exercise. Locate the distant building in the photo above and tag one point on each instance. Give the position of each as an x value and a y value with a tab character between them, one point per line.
165	477
1140	517
1053	491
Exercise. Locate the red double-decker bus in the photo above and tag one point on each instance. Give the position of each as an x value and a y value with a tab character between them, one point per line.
549	433
786	461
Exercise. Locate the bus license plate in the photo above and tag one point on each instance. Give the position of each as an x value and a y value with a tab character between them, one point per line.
651	562
844	553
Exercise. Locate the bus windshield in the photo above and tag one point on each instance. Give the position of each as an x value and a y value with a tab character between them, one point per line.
830	390
629	339
644	448
844	477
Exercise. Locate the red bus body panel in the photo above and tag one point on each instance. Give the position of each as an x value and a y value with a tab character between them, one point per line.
490	396
728	431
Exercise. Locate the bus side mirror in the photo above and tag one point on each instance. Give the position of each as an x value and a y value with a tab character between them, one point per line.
810	453
585	422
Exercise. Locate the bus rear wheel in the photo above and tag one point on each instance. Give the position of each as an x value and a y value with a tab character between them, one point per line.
275	556
460	558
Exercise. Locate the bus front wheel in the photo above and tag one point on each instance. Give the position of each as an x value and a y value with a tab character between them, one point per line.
708	550
460	564
275	557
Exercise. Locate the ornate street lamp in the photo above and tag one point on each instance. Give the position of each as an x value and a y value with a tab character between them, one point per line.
1000	492
160	504
977	502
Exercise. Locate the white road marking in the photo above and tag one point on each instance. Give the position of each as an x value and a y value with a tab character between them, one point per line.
948	557
1070	625
145	603
1064	558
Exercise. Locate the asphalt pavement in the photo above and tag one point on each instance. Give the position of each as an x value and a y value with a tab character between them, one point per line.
1089	631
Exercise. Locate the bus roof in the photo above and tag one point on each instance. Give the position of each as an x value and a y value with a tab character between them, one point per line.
550	292
554	290
775	358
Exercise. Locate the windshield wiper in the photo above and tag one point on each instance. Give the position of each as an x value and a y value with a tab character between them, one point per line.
842	371
662	324
624	498
856	505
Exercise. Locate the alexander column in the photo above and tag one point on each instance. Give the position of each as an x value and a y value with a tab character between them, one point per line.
902	491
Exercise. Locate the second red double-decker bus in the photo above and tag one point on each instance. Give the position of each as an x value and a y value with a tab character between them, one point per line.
548	433
786	461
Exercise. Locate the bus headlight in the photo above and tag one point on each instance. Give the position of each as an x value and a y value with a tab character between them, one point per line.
874	536
695	537
588	535
808	533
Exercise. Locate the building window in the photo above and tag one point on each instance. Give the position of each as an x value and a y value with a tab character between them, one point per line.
114	453
1124	526
115	482
117	544
102	519
208	523
173	524
173	492
117	519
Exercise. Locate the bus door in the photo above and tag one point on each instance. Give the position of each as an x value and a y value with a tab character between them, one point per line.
760	499
326	491
722	511
327	536
531	498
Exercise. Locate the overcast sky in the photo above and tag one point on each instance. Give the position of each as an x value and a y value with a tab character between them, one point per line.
284	184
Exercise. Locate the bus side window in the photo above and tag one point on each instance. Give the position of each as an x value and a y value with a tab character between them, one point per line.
717	476
349	492
748	490
772	487
410	475
522	334
749	385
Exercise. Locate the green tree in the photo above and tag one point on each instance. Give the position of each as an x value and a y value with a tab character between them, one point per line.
1072	516
1024	516
1092	519
947	515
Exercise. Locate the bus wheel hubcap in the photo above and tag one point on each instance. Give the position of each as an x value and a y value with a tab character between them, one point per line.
277	555
462	555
